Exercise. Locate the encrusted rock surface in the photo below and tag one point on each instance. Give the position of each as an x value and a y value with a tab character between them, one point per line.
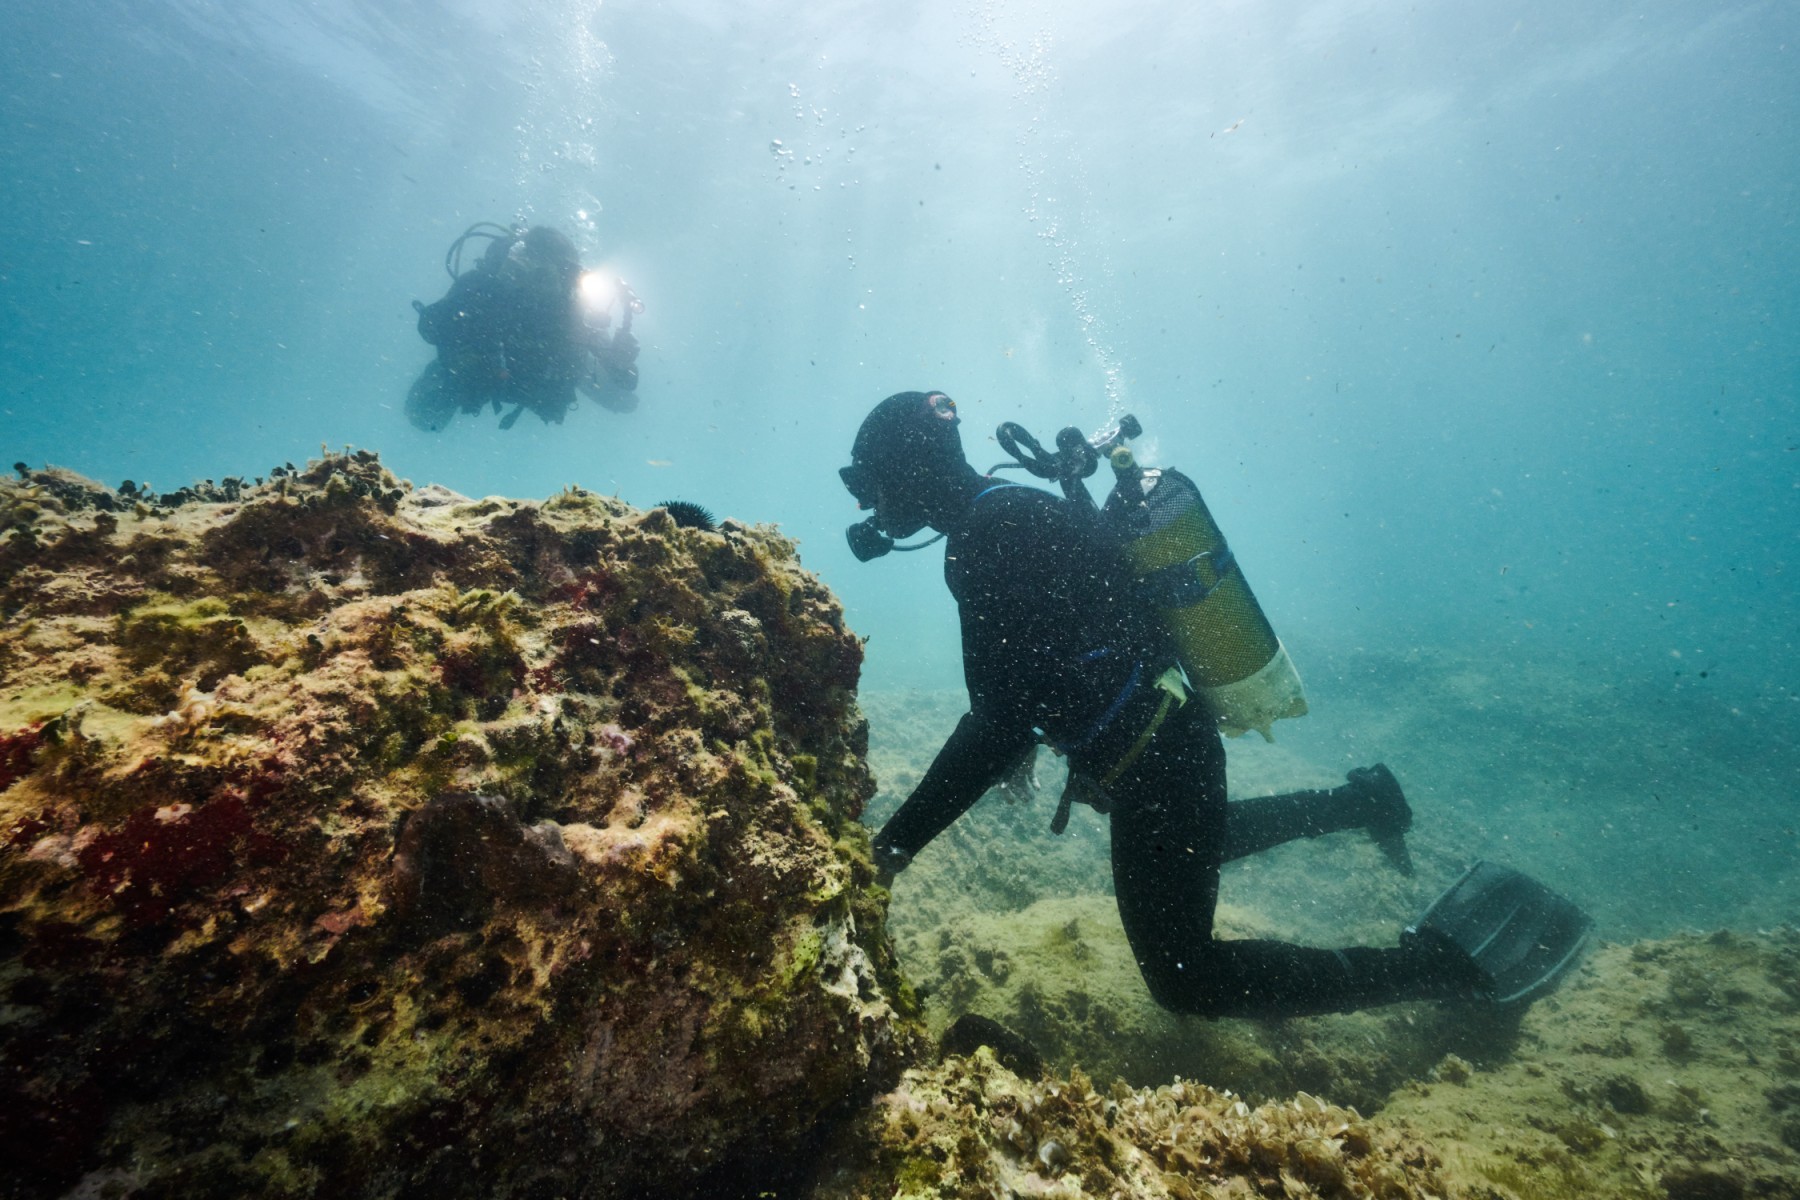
358	840
970	1127
1663	1070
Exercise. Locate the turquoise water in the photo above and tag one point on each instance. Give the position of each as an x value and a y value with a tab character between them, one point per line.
1480	329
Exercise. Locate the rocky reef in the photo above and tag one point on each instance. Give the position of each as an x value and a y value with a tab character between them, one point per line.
1663	1070
971	1127
364	840
359	840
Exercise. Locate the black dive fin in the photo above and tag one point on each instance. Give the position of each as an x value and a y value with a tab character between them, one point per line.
1522	935
511	418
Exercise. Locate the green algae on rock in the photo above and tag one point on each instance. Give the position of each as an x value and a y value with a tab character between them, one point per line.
970	1127
362	840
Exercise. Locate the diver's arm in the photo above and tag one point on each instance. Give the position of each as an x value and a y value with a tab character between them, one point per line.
624	377
614	355
611	383
434	319
618	358
997	729
971	761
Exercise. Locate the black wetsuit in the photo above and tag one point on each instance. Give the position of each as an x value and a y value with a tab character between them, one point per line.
1052	638
501	341
1056	640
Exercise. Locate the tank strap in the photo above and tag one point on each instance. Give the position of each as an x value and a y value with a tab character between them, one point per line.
1175	694
1179	585
1093	792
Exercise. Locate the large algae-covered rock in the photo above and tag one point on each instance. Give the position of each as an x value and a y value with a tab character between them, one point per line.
363	841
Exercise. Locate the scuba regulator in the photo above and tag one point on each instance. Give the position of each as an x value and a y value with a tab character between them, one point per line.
1077	456
867	541
500	239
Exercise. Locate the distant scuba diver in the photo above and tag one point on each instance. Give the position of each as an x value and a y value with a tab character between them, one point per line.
1124	638
526	327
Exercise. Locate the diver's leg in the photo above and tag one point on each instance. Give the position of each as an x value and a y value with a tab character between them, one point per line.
1169	831
1371	800
552	403
430	402
1168	838
1256	978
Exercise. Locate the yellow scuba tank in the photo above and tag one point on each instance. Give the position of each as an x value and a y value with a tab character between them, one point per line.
1178	555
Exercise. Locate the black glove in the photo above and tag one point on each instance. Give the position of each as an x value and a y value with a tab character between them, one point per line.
889	862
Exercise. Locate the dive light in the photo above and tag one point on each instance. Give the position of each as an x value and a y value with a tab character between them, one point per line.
600	292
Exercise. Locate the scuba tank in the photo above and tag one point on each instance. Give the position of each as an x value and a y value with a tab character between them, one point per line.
1182	562
1179	559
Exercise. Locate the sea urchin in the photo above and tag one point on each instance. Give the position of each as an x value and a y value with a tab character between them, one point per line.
689	515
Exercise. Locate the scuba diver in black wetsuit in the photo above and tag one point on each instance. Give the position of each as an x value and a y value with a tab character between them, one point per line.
526	327
1060	646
